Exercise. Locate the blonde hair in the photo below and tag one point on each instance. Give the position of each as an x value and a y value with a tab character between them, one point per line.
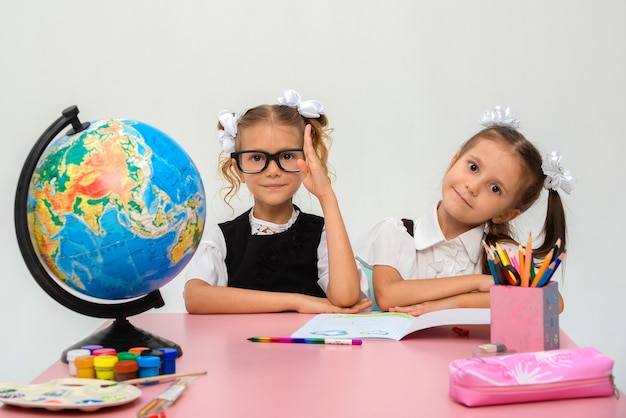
279	115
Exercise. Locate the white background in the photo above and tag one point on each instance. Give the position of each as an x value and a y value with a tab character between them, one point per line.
403	83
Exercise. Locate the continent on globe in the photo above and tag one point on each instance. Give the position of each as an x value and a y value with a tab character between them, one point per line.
117	210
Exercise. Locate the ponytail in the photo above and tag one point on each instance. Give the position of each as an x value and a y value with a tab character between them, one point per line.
554	227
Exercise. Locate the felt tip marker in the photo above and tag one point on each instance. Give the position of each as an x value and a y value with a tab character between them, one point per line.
334	341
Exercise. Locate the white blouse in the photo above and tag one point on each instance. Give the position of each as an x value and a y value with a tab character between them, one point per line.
427	255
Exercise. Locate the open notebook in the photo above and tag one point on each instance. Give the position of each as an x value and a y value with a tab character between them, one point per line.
387	325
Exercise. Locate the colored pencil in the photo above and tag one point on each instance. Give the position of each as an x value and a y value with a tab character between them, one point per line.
546	274
557	247
334	341
512	258
499	270
544	266
528	261
490	262
522	264
556	263
502	254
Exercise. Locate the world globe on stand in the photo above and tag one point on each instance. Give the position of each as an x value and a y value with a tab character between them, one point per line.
113	210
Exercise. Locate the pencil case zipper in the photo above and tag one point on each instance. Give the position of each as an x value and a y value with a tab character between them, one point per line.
543	387
497	395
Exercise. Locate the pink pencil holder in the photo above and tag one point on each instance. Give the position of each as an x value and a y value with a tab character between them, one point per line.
525	319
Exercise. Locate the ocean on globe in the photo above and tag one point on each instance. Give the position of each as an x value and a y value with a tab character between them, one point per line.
117	210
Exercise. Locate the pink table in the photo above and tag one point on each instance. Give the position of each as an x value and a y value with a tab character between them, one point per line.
379	378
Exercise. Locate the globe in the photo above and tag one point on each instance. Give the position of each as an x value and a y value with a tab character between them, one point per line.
106	214
116	210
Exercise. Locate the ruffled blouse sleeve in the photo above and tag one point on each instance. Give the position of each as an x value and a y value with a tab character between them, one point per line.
208	263
387	243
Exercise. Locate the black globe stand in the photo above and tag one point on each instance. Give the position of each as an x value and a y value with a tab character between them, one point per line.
121	334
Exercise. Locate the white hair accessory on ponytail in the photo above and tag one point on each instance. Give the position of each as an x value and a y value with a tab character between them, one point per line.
308	108
226	136
557	177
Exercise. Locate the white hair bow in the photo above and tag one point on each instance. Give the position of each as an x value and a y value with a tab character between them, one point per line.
557	177
308	108
499	117
226	136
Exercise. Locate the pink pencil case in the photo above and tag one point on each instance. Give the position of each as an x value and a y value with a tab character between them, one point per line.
529	377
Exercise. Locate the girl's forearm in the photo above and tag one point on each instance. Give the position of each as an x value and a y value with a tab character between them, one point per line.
468	300
202	298
343	275
394	291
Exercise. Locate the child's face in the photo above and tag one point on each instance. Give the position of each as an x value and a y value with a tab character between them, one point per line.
273	187
482	184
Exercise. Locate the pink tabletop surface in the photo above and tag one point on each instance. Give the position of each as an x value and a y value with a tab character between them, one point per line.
379	378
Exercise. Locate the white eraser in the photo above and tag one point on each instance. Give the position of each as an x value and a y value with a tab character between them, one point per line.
492	348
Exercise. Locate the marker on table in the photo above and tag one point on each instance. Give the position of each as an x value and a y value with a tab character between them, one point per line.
335	341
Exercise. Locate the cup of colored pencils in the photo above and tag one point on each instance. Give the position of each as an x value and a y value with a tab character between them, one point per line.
518	268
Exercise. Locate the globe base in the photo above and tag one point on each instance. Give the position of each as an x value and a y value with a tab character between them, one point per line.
122	335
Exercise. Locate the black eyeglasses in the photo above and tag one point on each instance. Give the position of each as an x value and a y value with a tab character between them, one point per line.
253	161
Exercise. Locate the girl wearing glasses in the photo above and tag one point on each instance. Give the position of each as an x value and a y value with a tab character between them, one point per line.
274	257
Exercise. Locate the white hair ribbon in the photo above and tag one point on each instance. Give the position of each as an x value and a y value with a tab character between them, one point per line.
308	108
226	136
557	177
499	117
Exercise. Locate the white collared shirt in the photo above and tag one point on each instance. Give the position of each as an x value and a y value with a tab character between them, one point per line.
428	255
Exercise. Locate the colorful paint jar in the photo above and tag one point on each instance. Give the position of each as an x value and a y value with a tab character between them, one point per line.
71	356
91	347
138	350
127	355
148	366
104	366
125	369
105	351
169	360
84	367
156	353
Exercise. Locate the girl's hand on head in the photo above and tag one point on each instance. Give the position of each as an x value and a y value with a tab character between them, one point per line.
311	171
315	305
